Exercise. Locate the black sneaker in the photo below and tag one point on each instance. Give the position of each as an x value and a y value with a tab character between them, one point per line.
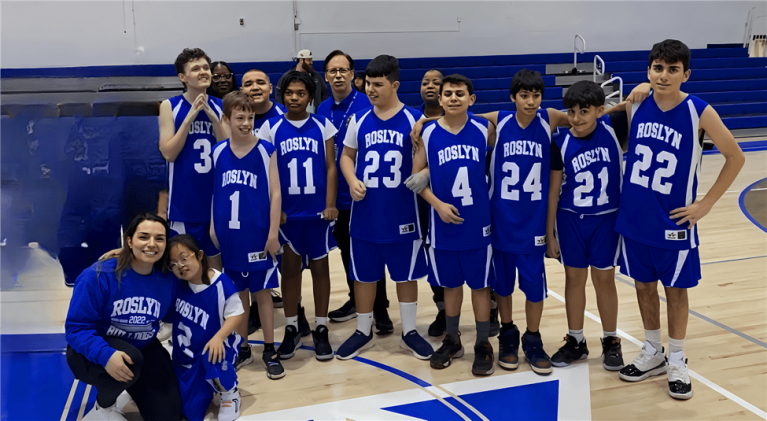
383	324
508	349
569	352
290	343
322	349
438	326
276	299
495	325
303	324
343	313
483	360
244	357
450	349
274	368
612	354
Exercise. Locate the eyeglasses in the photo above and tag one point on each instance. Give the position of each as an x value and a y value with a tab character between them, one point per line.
225	76
342	72
183	263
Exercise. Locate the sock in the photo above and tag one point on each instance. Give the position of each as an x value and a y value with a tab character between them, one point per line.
441	305
365	322
407	312
676	358
577	334
533	334
606	334
452	326
268	346
507	326
292	321
653	337
320	321
493	304
483	332
675	345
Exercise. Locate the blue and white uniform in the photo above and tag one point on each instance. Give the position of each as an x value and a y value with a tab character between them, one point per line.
459	252
662	167
384	227
340	114
589	198
190	175
129	309
520	173
300	149
241	215
200	314
275	111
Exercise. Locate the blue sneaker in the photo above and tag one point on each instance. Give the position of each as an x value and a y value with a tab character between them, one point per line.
354	345
508	347
535	355
414	343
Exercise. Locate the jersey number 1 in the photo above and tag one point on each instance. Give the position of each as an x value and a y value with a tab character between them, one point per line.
293	167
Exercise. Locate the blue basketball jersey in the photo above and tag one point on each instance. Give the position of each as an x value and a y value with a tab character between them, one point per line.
519	188
662	166
389	211
457	168
276	111
190	176
199	316
593	173
241	206
301	161
340	115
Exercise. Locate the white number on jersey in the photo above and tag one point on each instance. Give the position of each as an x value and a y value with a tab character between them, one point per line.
588	179
645	162
532	183
293	167
461	187
373	157
185	339
207	163
234	221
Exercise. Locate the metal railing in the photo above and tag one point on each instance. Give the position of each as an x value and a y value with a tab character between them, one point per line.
748	31
576	50
599	67
619	91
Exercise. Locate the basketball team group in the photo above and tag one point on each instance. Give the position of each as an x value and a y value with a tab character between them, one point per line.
259	191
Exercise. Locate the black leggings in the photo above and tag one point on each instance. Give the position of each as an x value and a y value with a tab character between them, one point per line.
154	387
341	234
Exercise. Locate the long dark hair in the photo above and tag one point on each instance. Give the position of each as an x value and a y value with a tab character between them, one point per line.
126	255
192	245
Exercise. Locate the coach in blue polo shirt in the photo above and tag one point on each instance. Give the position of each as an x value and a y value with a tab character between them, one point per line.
339	108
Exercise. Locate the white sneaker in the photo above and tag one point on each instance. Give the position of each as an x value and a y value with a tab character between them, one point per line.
230	406
649	362
105	414
679	385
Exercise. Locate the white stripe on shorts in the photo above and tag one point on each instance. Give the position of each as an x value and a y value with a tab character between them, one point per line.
434	263
679	264
269	272
351	259
487	265
414	257
625	257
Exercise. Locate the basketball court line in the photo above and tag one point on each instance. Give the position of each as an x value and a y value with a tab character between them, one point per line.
69	400
702	317
741	203
719	389
733	260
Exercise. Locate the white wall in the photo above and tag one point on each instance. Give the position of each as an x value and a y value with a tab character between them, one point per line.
67	33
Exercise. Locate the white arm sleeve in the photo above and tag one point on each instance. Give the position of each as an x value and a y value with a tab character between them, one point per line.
265	132
351	134
233	306
329	131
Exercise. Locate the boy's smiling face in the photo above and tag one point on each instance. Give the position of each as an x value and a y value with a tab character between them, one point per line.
667	77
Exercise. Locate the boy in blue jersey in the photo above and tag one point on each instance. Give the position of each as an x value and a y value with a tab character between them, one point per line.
246	217
256	84
586	173
345	101
307	170
658	210
455	148
187	136
385	228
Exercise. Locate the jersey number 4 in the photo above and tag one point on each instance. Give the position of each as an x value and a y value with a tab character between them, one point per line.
645	162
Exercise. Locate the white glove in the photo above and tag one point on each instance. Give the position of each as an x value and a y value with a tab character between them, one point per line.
418	181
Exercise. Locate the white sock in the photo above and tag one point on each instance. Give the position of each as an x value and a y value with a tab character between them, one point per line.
653	337
606	334
676	358
407	312
675	345
321	321
365	322
292	321
577	334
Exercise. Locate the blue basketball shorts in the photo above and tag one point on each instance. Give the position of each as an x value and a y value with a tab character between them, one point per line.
674	268
200	231
406	260
453	268
311	239
257	280
532	275
588	240
195	381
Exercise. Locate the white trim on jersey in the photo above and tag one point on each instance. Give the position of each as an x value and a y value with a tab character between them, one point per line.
635	107
432	236
320	125
221	301
679	265
217	151
170	186
414	257
487	265
434	263
265	157
625	257
481	128
177	226
545	125
410	117
564	148
493	177
177	109
417	213
620	153
618	251
216	109
425	137
697	152
351	258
